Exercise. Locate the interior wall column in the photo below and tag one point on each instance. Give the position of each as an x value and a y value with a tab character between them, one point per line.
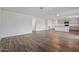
53	23
56	22
33	24
46	24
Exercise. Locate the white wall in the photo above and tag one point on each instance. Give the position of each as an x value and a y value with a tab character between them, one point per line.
15	24
0	16
40	24
0	22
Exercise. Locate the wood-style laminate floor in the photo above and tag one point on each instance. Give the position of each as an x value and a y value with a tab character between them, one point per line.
42	41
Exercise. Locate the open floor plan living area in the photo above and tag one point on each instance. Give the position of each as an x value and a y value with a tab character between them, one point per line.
39	29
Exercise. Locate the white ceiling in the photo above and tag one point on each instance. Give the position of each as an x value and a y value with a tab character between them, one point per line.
45	12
